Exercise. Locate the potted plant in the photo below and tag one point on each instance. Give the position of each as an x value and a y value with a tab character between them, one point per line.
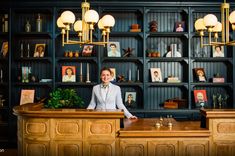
64	98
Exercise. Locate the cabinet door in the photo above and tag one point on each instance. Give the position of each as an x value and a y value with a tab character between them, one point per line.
194	147
133	147
99	147
222	148
67	148
163	148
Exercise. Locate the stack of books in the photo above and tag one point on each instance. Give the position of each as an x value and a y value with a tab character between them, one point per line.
173	80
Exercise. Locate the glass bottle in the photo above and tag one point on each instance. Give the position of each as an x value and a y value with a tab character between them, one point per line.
27	27
39	24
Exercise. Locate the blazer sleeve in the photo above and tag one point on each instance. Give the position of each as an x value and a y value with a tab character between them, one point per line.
92	104
120	104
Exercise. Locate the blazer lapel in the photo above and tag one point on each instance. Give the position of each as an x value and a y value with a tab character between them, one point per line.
100	97
109	92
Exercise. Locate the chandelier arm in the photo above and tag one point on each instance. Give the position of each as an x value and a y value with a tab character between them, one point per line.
67	35
91	33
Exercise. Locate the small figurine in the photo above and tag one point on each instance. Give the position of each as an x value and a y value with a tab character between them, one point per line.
128	52
153	26
121	78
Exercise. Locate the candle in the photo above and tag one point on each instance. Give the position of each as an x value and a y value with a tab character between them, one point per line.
81	69
87	69
28	50
129	75
138	75
1	74
21	46
88	76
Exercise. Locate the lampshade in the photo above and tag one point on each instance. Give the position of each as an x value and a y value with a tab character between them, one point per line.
108	21
232	17
67	17
210	20
199	24
100	24
91	16
217	28
78	25
60	24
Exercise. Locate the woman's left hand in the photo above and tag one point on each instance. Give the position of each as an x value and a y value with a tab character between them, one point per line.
133	117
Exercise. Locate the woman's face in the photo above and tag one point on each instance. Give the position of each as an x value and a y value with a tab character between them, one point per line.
69	72
105	76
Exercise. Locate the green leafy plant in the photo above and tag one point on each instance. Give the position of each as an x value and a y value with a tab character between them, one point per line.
64	98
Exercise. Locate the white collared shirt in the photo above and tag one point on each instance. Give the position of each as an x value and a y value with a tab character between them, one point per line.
104	91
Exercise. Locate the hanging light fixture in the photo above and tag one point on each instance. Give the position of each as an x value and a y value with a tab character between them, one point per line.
85	27
210	24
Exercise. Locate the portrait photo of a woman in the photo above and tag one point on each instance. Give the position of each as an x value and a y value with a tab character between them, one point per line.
39	50
68	74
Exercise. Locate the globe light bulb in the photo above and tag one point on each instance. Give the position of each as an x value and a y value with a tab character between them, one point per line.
108	21
67	17
199	24
210	20
91	16
78	25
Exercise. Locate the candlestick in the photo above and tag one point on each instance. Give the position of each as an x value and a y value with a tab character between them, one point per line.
138	75
80	76
28	50
88	74
21	50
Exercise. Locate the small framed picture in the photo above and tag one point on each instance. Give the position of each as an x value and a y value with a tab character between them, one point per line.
27	96
113	74
200	74
113	49
180	26
39	50
87	50
200	98
68	74
130	100
218	51
173	51
4	50
156	74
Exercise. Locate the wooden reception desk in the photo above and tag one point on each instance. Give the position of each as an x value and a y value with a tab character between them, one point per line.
59	132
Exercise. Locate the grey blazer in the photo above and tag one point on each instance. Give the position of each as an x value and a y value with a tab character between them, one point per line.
112	101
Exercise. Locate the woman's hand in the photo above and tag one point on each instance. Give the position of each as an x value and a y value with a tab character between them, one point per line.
133	117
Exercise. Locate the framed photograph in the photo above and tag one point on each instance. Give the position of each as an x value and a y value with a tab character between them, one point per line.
68	74
87	50
173	51
200	74
113	74
130	99
27	96
180	26
4	49
113	49
39	50
200	98
218	51
156	74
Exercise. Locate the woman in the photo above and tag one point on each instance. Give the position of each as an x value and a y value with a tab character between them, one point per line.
69	75
107	95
